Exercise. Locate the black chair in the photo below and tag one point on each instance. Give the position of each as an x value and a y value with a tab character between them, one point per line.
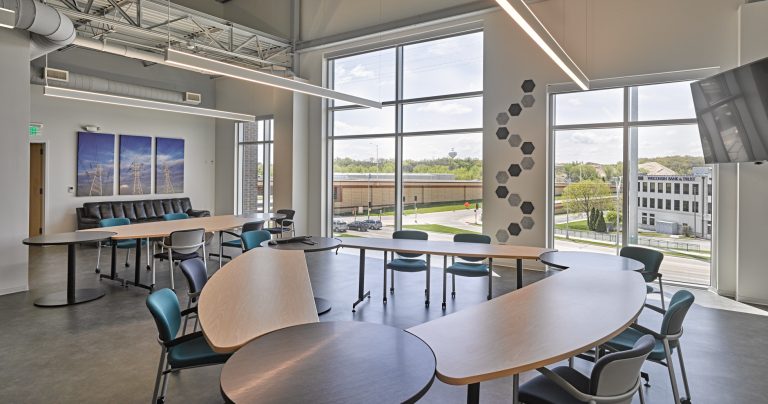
194	271
407	262
615	378
237	242
651	259
180	246
284	225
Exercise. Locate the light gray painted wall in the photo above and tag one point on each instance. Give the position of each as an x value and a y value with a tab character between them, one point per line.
14	154
62	119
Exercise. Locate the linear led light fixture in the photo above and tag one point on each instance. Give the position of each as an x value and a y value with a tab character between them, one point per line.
201	64
527	20
142	103
7	18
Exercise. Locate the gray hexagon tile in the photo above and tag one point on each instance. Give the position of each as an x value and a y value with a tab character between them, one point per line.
502	192
527	148
527	223
502	177
515	109
526	207
514	200
515	140
514	170
514	229
502	133
502	118
526	163
502	236
528	86
528	100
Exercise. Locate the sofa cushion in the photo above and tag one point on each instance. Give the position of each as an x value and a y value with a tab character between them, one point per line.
106	211
129	210
117	209
177	206
185	204
92	210
141	213
168	206
149	208
159	209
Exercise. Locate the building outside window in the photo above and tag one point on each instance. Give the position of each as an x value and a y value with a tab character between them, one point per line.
669	187
254	173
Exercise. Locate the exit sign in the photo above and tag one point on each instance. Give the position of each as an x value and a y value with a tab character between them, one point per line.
35	129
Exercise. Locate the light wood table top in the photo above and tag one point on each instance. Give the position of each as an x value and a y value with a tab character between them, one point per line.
256	293
164	228
445	248
586	259
543	323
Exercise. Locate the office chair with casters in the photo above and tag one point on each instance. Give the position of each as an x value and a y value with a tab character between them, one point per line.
468	266
666	340
652	261
253	239
177	353
615	378
175	216
407	262
121	244
284	225
194	271
237	242
181	245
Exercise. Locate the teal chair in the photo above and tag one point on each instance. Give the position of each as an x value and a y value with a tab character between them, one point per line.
407	262
175	216
237	242
121	244
667	340
253	239
651	259
186	351
473	267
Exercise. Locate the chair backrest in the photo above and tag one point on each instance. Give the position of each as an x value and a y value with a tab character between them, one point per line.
253	239
187	241
289	214
252	226
164	306
672	323
617	373
472	238
117	221
194	271
175	216
410	235
650	258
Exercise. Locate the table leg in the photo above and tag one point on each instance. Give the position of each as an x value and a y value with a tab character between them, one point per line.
72	295
515	389
519	273
221	248
137	274
473	393
113	267
361	293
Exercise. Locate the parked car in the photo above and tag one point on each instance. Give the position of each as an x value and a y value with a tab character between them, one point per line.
339	226
373	224
358	225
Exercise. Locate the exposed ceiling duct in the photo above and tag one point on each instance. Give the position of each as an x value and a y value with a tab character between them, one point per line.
49	28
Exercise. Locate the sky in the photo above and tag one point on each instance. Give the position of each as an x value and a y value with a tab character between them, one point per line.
135	149
94	149
171	152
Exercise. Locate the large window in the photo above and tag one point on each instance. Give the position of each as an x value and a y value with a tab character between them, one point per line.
417	162
254	166
645	137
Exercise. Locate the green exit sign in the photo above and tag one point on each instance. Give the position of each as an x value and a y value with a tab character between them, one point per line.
35	129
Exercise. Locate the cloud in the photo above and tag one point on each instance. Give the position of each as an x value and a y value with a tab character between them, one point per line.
444	107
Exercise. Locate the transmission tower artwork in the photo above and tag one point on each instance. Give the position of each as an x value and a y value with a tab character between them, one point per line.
168	184
136	169
96	176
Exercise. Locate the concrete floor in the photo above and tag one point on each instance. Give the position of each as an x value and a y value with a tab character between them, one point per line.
106	350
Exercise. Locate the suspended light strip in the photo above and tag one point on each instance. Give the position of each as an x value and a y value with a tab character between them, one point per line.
524	17
142	103
7	18
201	64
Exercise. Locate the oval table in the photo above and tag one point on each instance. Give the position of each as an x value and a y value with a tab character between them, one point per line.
585	259
70	239
307	244
330	362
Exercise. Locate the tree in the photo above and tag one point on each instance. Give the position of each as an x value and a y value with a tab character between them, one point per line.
576	172
585	195
610	217
600	226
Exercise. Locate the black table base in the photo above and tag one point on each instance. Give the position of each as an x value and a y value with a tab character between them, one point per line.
59	299
323	305
137	272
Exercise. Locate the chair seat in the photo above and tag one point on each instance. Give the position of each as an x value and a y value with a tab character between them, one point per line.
129	243
626	340
194	353
475	269
278	230
236	243
407	265
177	256
541	390
649	289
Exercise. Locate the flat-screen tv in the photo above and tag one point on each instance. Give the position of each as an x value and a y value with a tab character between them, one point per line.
732	110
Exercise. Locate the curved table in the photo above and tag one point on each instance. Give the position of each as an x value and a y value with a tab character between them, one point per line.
72	295
256	293
585	259
307	244
541	324
330	362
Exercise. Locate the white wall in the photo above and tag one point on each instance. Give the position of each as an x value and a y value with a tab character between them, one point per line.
62	119
14	154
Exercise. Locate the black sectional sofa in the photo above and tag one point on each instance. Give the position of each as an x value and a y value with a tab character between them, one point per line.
137	211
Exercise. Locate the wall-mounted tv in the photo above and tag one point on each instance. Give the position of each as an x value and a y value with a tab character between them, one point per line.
732	110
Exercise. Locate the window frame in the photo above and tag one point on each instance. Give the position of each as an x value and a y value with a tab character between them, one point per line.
266	155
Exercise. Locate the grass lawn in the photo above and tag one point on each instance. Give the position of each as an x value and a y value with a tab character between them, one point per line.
675	253
344	235
574	225
431	209
438	228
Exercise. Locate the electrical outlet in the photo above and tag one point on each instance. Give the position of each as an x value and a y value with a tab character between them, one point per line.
71	190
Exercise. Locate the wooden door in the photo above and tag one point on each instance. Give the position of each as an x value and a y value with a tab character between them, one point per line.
36	188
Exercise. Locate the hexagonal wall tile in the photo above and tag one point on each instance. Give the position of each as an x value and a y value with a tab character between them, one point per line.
528	86
515	140
502	192
514	229
514	200
526	163
515	109
527	222
527	148
514	170
502	177
502	118
528	100
502	133
527	207
502	236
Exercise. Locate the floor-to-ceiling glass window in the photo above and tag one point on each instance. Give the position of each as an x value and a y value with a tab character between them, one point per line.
254	166
417	162
640	143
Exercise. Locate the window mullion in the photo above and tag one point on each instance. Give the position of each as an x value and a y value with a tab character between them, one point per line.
399	194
